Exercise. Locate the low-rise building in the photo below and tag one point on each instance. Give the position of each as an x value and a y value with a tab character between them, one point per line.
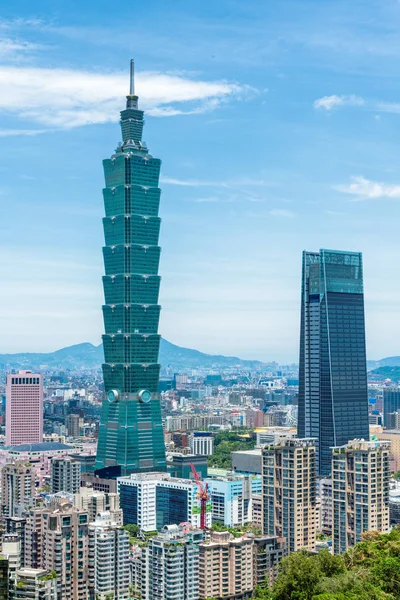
201	442
152	500
268	551
35	584
232	498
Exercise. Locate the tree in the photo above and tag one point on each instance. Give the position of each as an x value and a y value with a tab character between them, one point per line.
298	577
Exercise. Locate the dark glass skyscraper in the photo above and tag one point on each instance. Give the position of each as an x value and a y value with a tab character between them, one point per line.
131	434
333	393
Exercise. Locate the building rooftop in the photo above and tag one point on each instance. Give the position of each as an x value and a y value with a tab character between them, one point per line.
40	447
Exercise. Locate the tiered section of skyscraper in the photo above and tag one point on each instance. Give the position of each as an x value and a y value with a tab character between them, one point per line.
131	434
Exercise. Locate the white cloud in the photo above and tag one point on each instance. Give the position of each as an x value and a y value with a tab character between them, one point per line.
66	98
13	132
389	107
239	182
10	49
282	212
330	102
364	189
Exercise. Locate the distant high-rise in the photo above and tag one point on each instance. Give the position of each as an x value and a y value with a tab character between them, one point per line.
24	408
17	487
333	394
65	475
131	434
391	404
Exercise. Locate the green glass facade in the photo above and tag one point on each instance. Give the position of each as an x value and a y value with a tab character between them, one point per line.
131	433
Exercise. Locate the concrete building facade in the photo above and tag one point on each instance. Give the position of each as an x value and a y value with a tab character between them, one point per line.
17	487
109	559
289	492
56	539
360	487
226	567
65	475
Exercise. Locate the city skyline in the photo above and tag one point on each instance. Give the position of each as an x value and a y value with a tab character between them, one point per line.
272	142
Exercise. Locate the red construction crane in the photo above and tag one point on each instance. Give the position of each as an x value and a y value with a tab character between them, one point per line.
203	495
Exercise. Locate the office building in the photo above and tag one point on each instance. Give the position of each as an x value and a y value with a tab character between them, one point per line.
65	475
87	461
170	565
24	408
333	394
153	500
247	462
73	424
17	488
34	584
272	435
56	539
109	559
131	434
201	442
94	502
360	486
226	567
109	486
289	493
391	404
232	498
392	421
179	465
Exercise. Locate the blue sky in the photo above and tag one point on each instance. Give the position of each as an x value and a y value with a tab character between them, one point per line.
277	123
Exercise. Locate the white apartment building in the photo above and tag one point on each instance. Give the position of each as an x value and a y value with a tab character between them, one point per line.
232	498
95	502
109	559
34	584
169	565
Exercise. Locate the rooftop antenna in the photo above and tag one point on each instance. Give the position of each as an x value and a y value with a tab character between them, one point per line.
132	78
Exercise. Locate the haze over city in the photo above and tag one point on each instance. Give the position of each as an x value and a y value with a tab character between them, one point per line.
277	127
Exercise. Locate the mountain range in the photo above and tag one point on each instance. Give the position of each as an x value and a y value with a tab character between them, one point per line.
88	356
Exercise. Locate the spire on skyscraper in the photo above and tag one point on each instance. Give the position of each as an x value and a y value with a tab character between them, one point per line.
132	80
132	99
131	438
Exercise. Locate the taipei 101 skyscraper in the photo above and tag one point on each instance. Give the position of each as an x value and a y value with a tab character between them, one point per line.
131	435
